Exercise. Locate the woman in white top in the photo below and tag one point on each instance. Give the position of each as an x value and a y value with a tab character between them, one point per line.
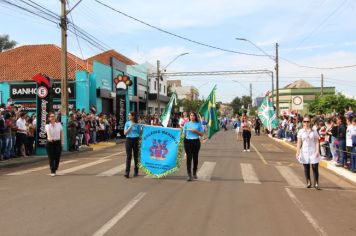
308	151
55	142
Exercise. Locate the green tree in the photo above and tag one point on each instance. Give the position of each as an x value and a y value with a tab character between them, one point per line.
6	43
236	105
330	103
246	101
189	105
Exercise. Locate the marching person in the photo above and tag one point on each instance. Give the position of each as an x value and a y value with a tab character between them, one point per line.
192	130
308	153
246	133
55	142
132	132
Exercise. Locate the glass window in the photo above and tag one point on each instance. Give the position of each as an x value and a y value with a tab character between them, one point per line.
155	85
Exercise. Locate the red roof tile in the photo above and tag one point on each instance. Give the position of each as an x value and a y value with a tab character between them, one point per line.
22	63
105	58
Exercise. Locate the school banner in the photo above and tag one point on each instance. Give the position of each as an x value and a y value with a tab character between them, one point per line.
160	150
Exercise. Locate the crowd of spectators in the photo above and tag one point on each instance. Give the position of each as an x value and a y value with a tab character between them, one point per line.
337	135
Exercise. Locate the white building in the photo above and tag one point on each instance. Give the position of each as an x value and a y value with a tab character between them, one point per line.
183	92
153	86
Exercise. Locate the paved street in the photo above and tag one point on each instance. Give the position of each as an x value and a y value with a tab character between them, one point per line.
240	193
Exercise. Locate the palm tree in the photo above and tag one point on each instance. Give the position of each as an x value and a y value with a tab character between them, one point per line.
6	43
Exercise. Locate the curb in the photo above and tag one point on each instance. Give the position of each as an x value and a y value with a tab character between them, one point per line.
325	164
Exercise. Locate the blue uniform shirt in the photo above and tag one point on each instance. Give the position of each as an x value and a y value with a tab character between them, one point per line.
134	132
192	125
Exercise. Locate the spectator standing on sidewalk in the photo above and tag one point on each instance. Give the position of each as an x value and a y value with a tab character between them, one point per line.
30	137
308	151
353	152
72	132
341	141
55	142
21	134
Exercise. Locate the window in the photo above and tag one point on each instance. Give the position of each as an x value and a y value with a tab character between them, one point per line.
160	87
164	89
155	85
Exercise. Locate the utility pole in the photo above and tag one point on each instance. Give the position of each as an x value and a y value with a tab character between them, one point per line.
277	82
158	78
64	72
322	85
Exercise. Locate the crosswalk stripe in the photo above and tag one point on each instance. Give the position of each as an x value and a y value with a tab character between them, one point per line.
291	178
38	168
206	171
114	171
80	167
248	173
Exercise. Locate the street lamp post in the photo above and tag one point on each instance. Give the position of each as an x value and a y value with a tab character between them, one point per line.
275	59
159	76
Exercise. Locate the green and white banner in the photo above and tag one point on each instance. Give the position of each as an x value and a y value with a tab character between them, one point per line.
168	110
267	114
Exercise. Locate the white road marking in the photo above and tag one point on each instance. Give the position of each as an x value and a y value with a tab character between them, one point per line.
206	171
113	171
38	168
307	215
248	174
80	167
115	154
105	228
291	178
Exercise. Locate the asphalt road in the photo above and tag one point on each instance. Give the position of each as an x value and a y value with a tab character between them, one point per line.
239	193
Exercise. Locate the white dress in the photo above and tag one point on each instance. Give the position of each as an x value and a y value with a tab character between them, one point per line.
308	150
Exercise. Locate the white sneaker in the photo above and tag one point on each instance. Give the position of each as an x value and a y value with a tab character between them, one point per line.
53	174
248	150
244	150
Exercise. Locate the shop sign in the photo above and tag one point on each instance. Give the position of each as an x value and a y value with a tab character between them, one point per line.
28	91
44	101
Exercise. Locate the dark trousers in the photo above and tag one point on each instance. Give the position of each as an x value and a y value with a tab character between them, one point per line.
315	168
20	140
131	145
192	147
29	145
54	150
246	135
258	130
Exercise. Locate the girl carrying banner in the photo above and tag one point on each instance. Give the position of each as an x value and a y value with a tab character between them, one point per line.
192	130
132	131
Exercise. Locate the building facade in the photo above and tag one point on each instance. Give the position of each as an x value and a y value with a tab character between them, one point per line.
183	92
296	96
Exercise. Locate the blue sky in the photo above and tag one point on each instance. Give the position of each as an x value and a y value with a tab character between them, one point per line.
318	33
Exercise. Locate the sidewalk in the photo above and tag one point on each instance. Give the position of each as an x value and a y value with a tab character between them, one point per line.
323	163
15	162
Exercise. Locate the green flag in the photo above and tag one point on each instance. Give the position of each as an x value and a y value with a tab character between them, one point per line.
208	110
168	110
267	114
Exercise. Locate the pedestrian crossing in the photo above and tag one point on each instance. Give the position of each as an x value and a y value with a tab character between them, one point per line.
205	171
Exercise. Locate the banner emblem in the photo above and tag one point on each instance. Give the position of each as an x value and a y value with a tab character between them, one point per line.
160	150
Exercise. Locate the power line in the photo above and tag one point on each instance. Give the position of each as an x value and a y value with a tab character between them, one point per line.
27	10
71	17
176	35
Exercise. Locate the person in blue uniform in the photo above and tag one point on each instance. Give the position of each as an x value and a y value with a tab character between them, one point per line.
192	130
132	131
